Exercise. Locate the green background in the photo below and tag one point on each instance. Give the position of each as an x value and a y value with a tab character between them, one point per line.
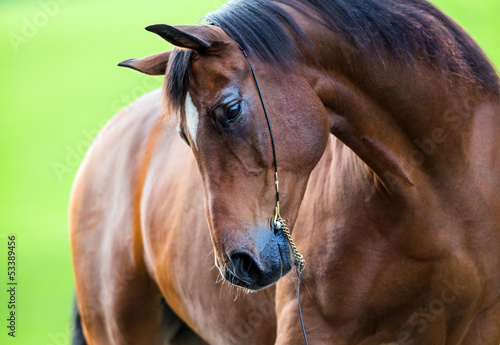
58	86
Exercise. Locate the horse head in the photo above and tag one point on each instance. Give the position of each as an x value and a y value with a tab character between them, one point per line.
211	93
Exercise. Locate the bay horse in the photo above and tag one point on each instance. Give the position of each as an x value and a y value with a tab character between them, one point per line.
385	116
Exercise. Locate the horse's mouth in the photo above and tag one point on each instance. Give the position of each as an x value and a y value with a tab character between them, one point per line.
268	278
230	277
248	287
260	267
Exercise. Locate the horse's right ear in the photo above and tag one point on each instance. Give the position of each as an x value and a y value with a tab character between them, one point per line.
155	64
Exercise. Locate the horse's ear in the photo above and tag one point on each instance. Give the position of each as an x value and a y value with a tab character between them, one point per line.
155	64
179	37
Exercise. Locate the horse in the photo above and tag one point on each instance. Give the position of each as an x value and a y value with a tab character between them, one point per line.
385	118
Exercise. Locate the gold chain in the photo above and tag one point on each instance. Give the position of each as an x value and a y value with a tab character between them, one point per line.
280	224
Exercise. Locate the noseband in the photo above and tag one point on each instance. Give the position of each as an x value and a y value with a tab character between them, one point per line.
278	222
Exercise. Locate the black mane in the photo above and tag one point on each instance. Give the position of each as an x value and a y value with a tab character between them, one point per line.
407	30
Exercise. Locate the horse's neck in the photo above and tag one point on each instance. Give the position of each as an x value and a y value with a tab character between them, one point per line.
407	125
342	192
343	177
405	122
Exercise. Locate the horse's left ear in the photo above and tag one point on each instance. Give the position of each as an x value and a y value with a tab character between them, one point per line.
155	64
183	36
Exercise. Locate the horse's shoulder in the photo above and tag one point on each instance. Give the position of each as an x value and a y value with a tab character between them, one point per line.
107	179
119	142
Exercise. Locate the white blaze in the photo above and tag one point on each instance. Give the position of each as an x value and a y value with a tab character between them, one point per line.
192	118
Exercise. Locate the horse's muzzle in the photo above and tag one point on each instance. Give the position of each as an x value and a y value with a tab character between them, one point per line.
263	266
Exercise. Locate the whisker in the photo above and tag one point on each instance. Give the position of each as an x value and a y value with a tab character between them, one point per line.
211	252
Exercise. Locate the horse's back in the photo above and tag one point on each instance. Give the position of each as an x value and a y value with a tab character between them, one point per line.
104	221
102	196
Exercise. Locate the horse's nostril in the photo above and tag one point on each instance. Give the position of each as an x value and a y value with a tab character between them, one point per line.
245	267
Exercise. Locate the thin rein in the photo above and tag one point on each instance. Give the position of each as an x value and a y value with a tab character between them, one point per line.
278	222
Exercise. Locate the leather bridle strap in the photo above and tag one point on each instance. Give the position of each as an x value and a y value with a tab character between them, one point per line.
268	125
278	222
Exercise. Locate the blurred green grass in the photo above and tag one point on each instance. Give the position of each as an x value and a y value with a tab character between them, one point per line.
56	91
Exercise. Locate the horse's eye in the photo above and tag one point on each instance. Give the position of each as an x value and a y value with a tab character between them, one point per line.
232	111
229	113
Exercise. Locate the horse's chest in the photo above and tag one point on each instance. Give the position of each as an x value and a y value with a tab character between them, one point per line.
380	289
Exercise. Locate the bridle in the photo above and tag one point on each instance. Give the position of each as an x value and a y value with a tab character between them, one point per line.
278	222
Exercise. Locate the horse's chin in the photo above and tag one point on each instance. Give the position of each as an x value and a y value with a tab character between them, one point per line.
243	285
